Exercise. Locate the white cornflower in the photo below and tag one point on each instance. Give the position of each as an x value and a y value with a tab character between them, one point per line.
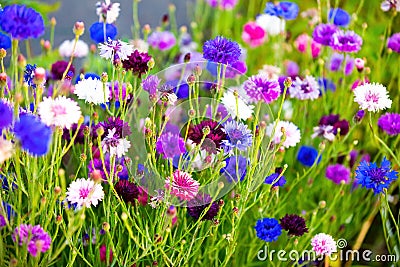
81	49
292	133
92	91
6	149
237	105
85	192
307	88
107	10
271	24
114	145
62	112
115	49
372	97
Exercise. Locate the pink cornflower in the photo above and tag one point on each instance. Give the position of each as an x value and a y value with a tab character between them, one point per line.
62	112
304	41
323	244
182	185
253	34
85	192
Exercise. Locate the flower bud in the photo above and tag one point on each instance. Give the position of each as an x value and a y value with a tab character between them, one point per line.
151	63
57	190
95	175
40	75
187	57
3	79
3	53
21	61
197	70
359	64
288	82
53	21
322	204
100	131
106	226
146	29
79	28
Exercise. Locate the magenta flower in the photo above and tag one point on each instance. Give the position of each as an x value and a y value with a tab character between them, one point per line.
182	185
259	87
162	40
304	42
36	239
394	42
346	41
253	34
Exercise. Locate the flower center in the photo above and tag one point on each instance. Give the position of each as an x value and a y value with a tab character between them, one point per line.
235	135
372	97
377	175
58	110
84	192
306	88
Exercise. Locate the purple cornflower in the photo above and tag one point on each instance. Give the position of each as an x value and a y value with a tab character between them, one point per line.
36	239
58	68
21	22
370	176
137	62
304	89
336	61
323	33
117	91
221	50
346	41
235	169
390	123
259	87
238	136
294	224
122	128
338	173
359	116
201	202
96	166
162	40
223	4
214	138
170	145
127	190
150	84
268	229
394	41
6	115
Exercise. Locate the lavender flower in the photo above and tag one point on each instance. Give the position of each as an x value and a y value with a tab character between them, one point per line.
6	115
323	33
238	136
150	84
305	89
394	41
221	50
223	4
235	169
390	123
346	41
36	239
21	22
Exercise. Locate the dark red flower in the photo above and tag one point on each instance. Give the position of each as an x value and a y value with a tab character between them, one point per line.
212	140
137	62
294	224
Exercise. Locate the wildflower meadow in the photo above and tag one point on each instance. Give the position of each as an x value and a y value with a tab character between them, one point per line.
259	134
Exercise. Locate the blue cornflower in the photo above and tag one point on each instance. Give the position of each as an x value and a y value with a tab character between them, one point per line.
87	76
221	50
235	168
8	210
6	115
5	41
308	155
268	229
339	17
286	10
238	135
271	178
21	22
326	84
97	32
5	184
373	177
34	135
29	75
